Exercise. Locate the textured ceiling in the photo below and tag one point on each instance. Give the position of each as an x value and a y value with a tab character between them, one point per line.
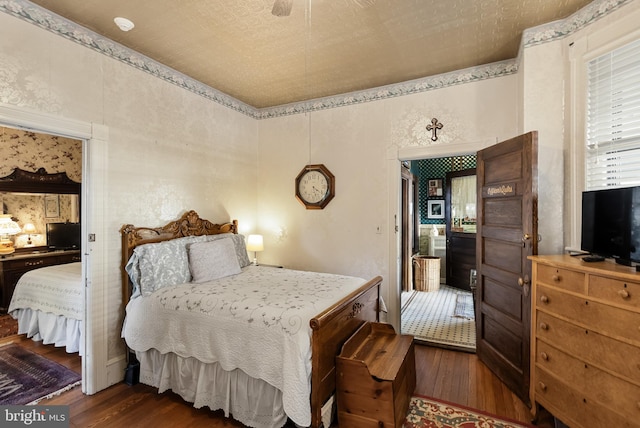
325	47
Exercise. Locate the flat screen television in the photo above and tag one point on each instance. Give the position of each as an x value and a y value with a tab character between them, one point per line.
63	236
611	223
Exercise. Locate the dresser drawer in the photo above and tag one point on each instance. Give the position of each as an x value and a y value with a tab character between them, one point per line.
593	348
615	291
611	391
576	409
30	263
619	323
562	278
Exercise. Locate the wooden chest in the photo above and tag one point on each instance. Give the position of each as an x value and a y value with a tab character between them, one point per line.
586	341
376	376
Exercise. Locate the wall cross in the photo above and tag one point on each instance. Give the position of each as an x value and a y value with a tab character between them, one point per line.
433	127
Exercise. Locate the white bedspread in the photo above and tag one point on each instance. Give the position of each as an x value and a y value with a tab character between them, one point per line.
256	321
53	289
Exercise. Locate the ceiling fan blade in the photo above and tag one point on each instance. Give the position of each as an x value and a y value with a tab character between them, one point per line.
282	7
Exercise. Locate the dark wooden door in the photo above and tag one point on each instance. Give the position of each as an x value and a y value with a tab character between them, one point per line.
507	234
461	243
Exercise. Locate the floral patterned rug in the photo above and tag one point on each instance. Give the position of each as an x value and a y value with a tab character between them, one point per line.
430	413
8	326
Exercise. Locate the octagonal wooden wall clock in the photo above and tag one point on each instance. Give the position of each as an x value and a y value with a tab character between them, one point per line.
315	186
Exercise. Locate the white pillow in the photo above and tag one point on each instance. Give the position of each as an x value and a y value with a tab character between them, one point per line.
213	260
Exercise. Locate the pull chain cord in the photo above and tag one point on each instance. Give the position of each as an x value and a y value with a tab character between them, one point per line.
307	60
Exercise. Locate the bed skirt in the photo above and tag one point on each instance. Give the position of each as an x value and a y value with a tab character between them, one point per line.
50	329
251	401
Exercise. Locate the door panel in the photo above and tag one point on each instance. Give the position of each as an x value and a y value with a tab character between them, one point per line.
500	337
504	212
503	255
506	222
499	296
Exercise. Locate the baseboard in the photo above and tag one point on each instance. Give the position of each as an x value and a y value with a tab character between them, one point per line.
116	370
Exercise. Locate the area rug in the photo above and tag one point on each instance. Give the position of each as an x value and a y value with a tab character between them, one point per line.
427	412
8	326
464	306
428	316
26	378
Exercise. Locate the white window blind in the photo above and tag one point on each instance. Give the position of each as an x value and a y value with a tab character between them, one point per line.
613	119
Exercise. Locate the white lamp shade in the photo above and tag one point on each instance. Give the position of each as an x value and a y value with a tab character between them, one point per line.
8	226
255	243
29	228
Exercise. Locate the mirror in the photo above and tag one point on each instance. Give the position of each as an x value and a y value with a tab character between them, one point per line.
463	204
38	198
38	209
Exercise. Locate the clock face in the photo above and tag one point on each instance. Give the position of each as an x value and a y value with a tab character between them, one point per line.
315	186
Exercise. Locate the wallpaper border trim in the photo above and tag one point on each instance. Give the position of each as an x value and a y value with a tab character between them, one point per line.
556	30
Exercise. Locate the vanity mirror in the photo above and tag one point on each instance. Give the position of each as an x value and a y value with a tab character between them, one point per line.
36	199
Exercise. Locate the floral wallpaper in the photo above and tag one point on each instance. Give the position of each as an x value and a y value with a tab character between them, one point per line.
31	151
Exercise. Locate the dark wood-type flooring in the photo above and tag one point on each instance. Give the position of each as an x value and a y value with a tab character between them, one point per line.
457	377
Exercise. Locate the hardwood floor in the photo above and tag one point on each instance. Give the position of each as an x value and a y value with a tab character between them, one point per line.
457	377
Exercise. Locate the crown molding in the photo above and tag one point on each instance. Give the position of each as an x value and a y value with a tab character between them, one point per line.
43	18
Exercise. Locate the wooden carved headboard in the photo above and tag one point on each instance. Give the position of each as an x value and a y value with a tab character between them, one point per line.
190	224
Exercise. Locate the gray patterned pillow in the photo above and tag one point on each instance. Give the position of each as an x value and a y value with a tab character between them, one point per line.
163	264
212	260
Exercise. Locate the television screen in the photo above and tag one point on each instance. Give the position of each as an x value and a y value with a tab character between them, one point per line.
63	236
611	223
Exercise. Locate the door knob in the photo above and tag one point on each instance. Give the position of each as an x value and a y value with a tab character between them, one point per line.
524	281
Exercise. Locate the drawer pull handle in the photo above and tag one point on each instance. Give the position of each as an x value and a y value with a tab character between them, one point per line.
544	299
543	387
544	356
39	262
556	278
624	294
544	326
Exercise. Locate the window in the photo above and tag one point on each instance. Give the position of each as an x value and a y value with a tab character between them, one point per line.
613	119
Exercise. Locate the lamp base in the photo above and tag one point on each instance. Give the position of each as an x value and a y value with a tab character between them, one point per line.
6	248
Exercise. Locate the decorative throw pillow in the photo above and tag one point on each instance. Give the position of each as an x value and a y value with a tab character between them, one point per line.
212	260
240	246
162	264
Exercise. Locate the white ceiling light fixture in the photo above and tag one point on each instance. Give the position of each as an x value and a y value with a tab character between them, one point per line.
123	23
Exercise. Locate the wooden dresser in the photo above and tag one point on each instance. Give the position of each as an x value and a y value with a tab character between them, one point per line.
14	266
585	350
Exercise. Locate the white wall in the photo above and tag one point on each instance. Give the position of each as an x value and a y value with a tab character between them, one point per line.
168	150
356	143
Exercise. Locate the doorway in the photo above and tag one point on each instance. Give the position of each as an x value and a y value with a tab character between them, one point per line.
442	315
98	371
42	283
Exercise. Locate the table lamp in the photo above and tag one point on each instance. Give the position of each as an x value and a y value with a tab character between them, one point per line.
255	244
8	228
29	229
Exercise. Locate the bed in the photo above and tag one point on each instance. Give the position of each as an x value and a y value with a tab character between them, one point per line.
222	343
49	305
